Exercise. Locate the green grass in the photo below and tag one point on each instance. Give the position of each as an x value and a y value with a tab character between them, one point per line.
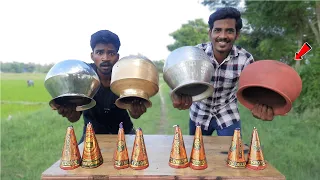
150	119
175	116
32	140
17	109
17	90
17	98
23	76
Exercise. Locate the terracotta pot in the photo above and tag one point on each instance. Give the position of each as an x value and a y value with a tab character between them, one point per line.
269	82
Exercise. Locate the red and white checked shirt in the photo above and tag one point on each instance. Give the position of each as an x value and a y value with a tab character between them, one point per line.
222	105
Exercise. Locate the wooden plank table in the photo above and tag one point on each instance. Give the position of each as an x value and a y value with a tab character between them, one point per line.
158	150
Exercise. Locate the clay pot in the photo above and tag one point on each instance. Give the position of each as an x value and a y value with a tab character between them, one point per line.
269	82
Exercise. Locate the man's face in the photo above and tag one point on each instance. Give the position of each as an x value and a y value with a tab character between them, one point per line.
223	35
104	57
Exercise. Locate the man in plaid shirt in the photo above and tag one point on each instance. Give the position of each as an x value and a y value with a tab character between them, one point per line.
220	111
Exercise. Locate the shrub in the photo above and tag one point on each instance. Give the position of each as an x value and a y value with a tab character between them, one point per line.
310	94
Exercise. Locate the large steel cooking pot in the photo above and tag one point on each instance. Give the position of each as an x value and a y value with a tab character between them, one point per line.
188	70
269	82
72	82
134	77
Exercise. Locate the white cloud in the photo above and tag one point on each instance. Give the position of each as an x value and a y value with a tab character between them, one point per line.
51	31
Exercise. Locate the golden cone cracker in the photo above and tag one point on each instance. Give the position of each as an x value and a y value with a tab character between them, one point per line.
139	157
255	156
236	157
91	157
121	157
178	156
198	160
71	157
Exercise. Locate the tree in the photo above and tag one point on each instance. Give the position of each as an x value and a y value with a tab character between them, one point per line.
214	4
190	34
159	64
18	67
314	19
286	26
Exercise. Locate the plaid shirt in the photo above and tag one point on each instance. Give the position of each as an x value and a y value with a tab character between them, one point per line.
222	105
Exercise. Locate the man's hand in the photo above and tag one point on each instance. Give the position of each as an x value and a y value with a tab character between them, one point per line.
137	109
262	112
68	112
181	102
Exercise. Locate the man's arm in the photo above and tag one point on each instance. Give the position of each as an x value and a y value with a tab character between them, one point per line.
69	112
262	112
181	102
137	109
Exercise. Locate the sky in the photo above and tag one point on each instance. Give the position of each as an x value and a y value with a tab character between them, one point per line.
43	31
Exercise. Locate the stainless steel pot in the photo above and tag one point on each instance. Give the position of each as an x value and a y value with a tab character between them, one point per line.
188	70
72	83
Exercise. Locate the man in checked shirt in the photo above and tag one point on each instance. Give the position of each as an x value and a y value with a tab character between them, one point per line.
220	112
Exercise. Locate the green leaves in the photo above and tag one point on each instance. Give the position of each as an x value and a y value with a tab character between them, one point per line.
310	93
214	4
190	34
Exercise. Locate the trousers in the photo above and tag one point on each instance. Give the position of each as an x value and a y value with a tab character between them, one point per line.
228	131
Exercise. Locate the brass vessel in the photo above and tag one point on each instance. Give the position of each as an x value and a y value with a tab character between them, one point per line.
134	77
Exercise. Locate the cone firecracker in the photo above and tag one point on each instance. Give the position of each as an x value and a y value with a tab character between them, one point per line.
121	157
198	160
71	158
236	158
255	156
178	156
91	157
139	157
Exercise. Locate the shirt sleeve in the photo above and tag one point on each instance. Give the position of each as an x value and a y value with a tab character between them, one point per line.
249	60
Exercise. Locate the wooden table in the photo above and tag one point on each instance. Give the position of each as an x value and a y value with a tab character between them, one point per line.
158	150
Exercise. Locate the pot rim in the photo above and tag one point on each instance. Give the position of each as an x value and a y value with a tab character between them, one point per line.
199	97
119	81
278	111
83	107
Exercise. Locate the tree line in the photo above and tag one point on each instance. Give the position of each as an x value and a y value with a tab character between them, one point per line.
20	67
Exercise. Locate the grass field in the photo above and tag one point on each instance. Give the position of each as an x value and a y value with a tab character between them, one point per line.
32	138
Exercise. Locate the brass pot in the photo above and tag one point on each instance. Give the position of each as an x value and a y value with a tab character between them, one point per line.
188	70
72	82
134	77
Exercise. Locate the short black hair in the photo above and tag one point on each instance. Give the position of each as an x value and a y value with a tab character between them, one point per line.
225	13
105	37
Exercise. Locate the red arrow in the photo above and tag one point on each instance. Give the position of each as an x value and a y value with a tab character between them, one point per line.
304	49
